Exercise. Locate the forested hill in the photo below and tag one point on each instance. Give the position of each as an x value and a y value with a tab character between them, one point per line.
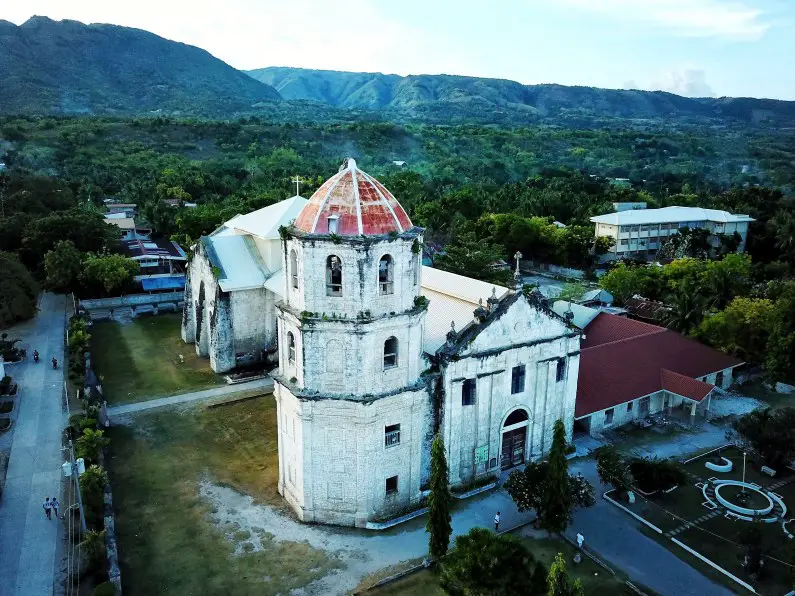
68	67
437	96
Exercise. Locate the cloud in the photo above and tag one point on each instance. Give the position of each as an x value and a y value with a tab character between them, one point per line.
726	19
689	82
354	35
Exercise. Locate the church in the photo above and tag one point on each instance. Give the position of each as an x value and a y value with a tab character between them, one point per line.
376	352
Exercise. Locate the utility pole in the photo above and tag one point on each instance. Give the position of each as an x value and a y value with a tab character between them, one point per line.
76	478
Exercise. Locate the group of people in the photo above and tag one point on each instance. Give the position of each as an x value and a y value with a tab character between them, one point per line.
50	506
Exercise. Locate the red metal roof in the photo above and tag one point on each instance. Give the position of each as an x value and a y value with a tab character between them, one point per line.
684	386
617	367
606	328
362	204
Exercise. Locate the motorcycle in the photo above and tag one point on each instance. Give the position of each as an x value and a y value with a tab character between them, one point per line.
36	357
54	363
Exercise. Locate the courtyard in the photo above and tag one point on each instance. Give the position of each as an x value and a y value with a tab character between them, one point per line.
146	358
686	514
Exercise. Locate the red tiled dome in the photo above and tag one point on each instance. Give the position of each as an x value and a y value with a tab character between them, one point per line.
356	203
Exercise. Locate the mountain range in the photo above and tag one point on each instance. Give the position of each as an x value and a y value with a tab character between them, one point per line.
67	67
427	95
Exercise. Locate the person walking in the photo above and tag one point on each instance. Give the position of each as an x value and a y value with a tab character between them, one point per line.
497	522
47	508
55	505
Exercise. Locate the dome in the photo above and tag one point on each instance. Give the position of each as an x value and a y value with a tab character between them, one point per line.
352	203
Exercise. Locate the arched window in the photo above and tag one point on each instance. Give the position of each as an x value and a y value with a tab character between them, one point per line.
386	275
333	276
293	269
391	353
290	347
516	417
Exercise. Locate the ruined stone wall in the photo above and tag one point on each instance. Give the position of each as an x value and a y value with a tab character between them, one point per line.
230	324
334	461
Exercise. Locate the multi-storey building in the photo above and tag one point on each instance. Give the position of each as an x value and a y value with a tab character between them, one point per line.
639	233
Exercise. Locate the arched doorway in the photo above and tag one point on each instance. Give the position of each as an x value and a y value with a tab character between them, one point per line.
514	439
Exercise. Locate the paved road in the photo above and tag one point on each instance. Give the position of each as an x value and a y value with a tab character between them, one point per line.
265	384
617	538
28	540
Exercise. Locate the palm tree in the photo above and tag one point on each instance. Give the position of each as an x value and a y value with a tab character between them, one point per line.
687	309
784	226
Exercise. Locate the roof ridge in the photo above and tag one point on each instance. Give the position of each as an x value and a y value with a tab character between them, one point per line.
624	339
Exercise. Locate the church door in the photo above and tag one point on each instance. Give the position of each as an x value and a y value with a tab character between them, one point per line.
513	443
514	437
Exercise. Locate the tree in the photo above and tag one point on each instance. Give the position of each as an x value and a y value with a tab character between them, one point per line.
572	291
111	272
769	433
752	538
548	488
557	502
62	266
439	521
613	469
687	242
487	564
18	291
742	329
784	225
469	257
624	281
92	490
90	444
558	583
687	309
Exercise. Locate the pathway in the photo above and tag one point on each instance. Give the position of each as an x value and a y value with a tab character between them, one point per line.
618	539
265	385
28	540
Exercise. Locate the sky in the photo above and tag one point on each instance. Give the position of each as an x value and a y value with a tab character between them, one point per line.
690	47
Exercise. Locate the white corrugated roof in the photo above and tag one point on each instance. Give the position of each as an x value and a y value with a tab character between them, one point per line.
452	298
266	222
125	223
275	283
669	215
597	294
242	268
459	286
583	315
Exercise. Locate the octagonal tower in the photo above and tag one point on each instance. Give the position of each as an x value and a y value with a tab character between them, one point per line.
353	413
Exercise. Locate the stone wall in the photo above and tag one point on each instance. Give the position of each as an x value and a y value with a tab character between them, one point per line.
334	461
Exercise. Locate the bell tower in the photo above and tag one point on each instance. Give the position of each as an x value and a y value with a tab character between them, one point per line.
350	353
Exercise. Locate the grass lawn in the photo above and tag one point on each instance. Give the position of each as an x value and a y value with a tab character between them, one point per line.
167	542
140	360
595	580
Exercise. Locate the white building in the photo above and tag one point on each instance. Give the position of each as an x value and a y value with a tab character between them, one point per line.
639	233
377	354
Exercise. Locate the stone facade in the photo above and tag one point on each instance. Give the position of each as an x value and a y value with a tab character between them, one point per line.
525	336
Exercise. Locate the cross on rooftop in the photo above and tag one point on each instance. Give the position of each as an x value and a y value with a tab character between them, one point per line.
298	180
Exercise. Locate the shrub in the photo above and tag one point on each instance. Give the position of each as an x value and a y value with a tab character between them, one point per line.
90	444
92	489
105	589
652	475
5	383
93	546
